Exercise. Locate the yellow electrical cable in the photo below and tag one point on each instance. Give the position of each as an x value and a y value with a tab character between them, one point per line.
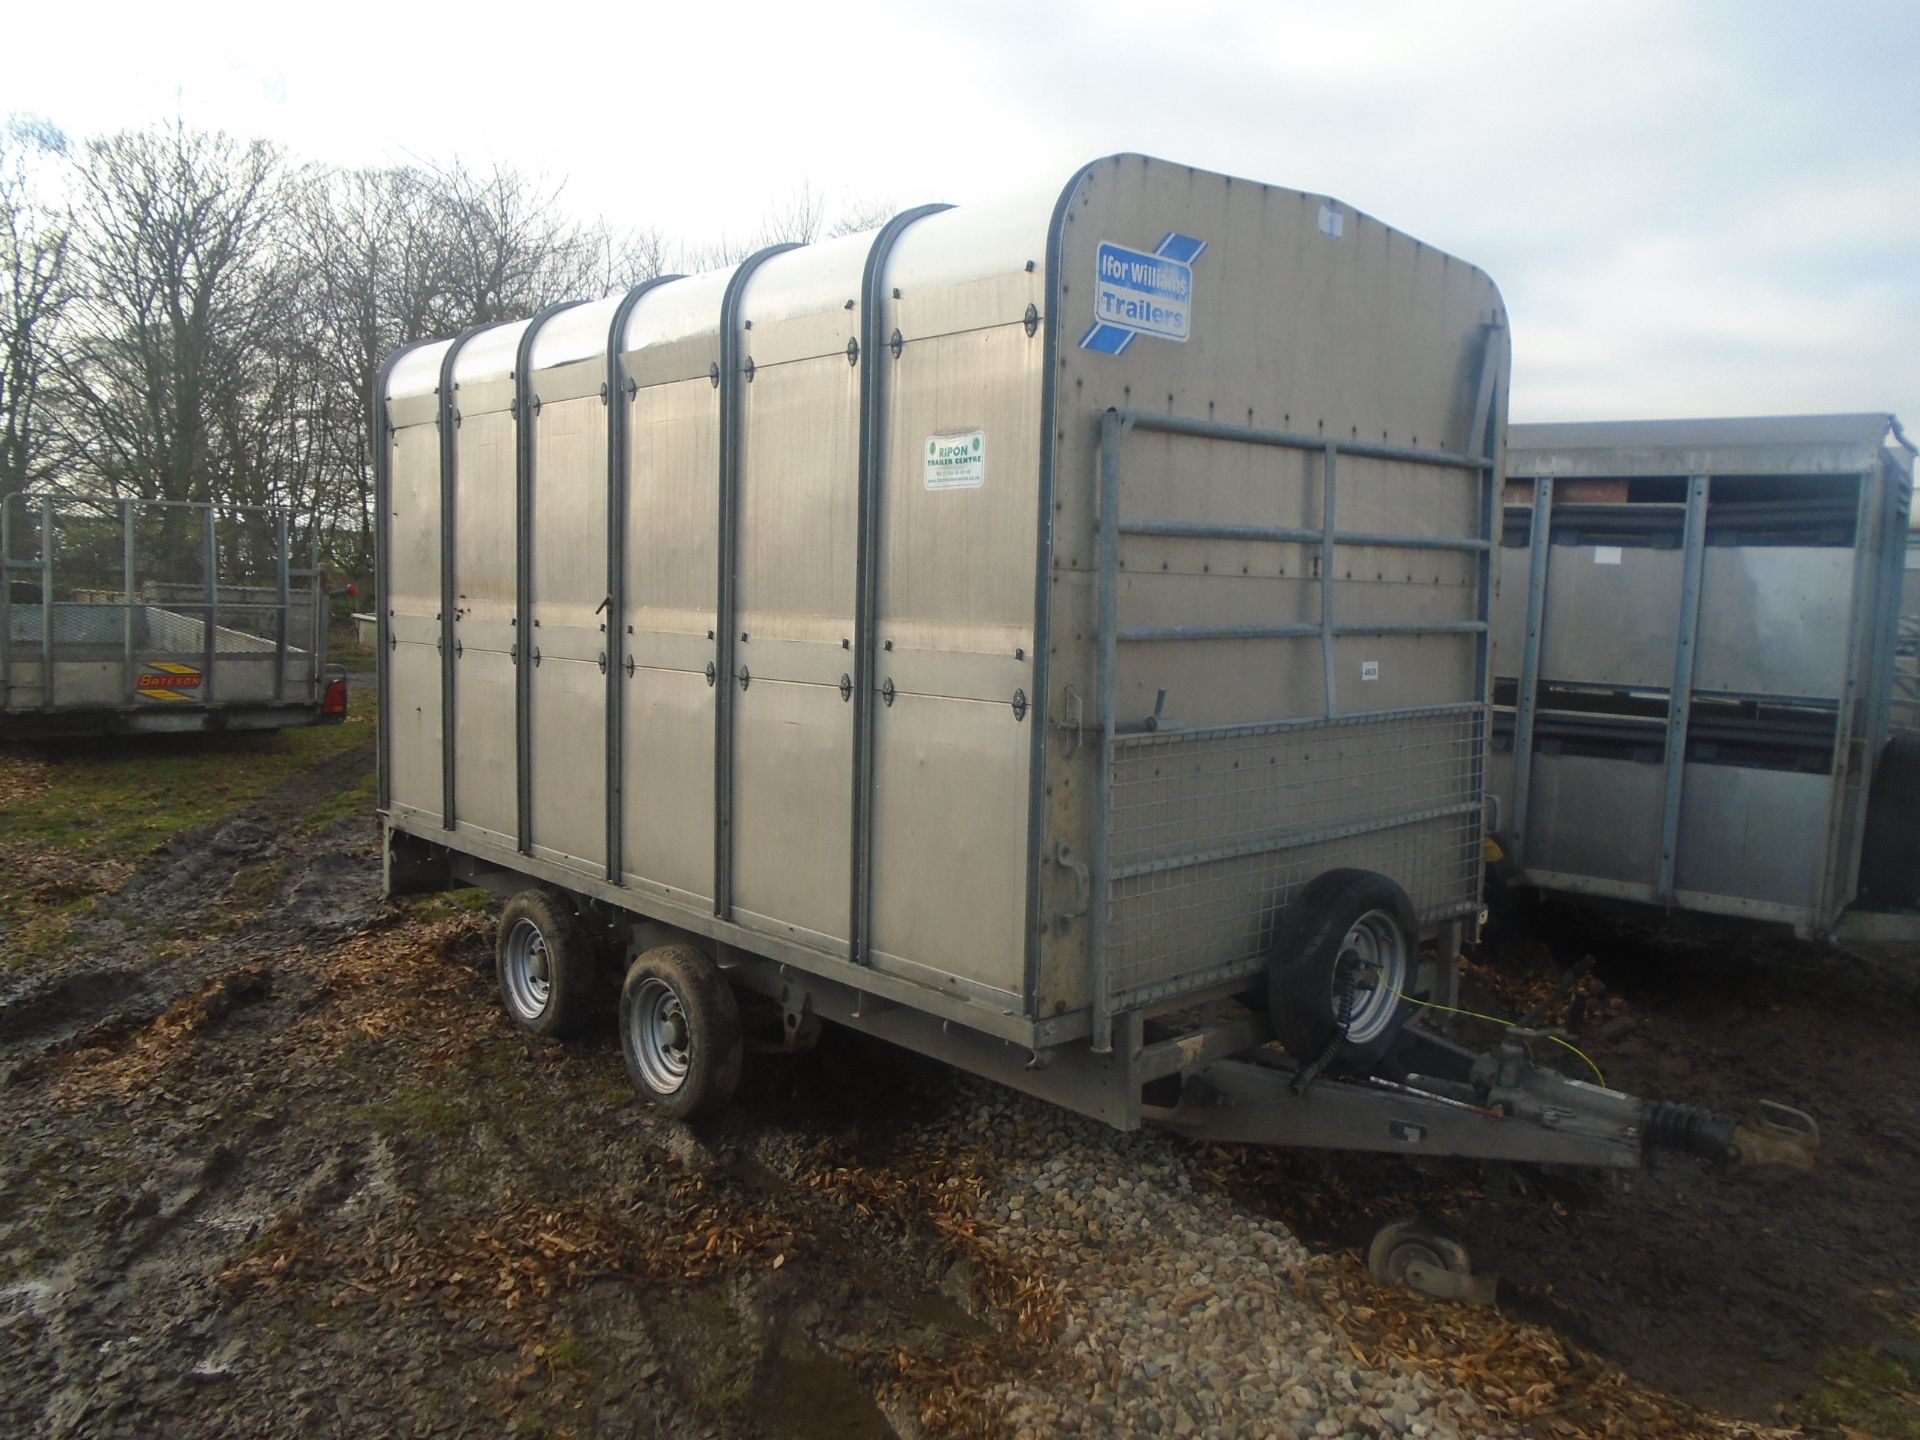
1495	1019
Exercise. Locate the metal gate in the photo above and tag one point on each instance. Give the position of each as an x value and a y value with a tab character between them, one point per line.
1202	834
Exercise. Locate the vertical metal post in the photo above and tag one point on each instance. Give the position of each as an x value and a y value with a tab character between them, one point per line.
450	643
211	637
1680	701
873	398
129	587
381	444
1113	430
732	419
1527	699
6	602
282	600
317	608
46	604
1854	719
1483	439
526	411
1329	478
619	423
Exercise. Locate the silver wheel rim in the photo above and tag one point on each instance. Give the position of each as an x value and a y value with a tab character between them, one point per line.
528	971
1373	960
659	1037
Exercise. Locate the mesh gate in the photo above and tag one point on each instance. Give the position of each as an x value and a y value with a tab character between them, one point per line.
1202	835
1210	832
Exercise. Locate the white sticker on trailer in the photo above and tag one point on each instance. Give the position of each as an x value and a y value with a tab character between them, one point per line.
957	462
1606	554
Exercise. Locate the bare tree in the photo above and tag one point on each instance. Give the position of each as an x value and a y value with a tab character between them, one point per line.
34	240
801	217
509	248
860	215
372	251
180	292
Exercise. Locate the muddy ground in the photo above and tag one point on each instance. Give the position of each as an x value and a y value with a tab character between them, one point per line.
275	1164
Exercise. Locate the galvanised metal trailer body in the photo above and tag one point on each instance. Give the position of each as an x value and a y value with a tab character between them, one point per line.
122	616
1694	652
979	631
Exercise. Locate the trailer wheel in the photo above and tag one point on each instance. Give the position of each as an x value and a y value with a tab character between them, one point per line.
1401	1243
1343	958
680	1031
546	965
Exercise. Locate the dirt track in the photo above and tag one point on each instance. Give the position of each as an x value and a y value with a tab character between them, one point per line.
276	1165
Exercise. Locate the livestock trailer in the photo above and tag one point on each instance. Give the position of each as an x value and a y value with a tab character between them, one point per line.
122	616
1695	669
1011	632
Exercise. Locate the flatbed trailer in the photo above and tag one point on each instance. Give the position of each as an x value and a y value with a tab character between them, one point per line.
123	616
1014	633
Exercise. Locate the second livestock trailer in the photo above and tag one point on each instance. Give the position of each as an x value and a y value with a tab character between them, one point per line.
1010	632
121	615
1695	668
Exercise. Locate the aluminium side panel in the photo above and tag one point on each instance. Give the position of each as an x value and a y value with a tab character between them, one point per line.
794	573
670	356
410	589
486	558
957	504
570	587
1310	318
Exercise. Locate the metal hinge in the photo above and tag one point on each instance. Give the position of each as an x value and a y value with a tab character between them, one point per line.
1083	887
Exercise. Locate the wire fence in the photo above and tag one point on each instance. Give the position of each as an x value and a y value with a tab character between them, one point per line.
1212	831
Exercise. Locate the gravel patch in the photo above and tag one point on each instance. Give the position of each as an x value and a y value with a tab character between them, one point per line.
1180	1315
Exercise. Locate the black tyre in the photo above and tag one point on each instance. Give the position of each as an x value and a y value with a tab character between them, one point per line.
680	1032
1890	846
1344	956
545	961
1415	1237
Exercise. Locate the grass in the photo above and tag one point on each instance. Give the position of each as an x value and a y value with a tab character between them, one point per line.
76	819
569	1352
118	799
354	800
413	1111
448	904
1869	1390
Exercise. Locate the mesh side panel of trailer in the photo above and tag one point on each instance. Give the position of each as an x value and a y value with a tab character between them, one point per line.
1211	832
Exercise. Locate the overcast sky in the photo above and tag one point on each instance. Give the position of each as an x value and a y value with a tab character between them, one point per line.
1708	208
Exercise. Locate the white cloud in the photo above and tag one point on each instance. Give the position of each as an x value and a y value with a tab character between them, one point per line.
1691	208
